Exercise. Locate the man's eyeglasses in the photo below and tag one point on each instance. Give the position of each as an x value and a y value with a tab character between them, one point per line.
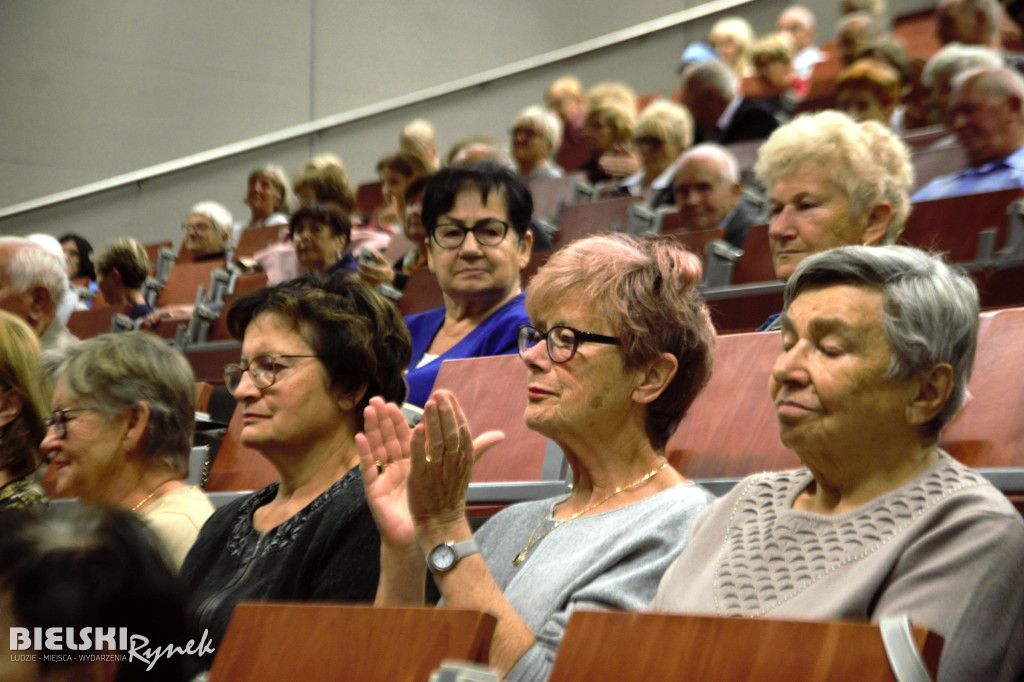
561	341
451	233
198	227
262	370
58	419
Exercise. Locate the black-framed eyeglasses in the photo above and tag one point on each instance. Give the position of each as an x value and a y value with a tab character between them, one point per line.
262	370
451	233
58	419
561	341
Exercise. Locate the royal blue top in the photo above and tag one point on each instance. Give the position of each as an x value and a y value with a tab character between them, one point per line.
494	336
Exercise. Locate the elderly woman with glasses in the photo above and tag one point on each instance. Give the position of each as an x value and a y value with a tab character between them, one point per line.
876	351
619	346
478	240
314	350
121	432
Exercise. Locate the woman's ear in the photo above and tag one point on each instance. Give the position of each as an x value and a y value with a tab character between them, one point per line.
138	422
348	401
525	249
655	378
11	403
932	388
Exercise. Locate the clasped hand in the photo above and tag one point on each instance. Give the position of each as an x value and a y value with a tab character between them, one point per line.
418	478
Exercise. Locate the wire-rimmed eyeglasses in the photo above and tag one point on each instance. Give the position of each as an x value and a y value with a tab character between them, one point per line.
58	419
561	341
262	370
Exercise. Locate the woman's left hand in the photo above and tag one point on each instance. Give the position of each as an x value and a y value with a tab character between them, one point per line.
443	453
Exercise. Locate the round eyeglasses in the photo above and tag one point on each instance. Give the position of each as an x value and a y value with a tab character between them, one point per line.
451	233
58	419
561	341
262	370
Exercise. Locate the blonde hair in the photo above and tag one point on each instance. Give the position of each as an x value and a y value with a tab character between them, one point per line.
326	175
878	78
19	372
866	161
647	289
741	33
667	121
774	46
615	103
129	258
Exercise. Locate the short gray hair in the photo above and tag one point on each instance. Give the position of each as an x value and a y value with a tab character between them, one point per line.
996	81
544	122
710	75
954	59
216	212
32	265
929	310
115	372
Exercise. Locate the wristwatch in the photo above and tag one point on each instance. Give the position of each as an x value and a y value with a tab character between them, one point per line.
444	556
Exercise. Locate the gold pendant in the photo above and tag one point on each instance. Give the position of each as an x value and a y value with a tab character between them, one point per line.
520	558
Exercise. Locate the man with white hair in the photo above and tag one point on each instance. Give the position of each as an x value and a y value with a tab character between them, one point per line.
419	138
32	284
207	230
986	113
798	22
709	194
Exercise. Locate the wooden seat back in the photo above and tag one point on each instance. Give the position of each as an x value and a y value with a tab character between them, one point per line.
696	241
492	393
931	163
253	239
989	430
745	312
550	195
153	253
369	196
951	225
88	323
421	292
237	467
755	265
184	281
730	430
595	217
654	646
313	642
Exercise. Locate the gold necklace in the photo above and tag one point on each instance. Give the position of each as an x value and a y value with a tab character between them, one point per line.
148	497
521	557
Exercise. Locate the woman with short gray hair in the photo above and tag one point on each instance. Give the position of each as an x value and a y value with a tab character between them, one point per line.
877	349
121	431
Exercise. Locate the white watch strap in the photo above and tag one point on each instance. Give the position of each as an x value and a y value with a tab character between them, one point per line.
465	548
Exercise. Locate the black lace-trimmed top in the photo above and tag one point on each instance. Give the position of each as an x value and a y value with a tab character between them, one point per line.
328	551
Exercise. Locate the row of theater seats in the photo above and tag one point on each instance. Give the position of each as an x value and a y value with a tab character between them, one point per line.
729	432
332	642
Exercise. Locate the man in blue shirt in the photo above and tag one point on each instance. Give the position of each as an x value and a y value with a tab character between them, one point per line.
987	114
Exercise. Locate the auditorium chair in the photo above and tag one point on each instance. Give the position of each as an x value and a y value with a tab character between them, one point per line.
369	197
329	642
551	195
601	645
596	217
966	228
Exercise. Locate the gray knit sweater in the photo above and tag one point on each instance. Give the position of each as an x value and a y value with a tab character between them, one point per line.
611	560
947	549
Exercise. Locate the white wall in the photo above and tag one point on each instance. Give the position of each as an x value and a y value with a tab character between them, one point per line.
95	88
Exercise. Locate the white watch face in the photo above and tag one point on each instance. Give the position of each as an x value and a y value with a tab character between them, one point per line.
442	557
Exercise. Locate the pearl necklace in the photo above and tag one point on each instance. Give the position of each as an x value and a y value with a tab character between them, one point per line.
521	557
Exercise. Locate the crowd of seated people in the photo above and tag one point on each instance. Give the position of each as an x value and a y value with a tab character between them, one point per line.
617	344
